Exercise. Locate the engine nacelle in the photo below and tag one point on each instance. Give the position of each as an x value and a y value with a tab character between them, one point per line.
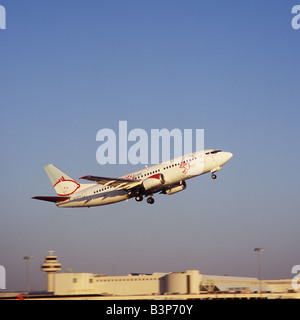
173	188
154	181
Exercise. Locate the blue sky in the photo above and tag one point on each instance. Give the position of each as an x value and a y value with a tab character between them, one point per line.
71	68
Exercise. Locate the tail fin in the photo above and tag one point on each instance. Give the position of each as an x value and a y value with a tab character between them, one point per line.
62	183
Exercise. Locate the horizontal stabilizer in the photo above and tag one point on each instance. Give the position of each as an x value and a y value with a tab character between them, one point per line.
51	199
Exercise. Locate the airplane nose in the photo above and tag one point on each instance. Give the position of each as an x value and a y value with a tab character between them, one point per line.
227	156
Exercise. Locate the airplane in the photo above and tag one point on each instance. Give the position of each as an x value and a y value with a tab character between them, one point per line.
167	178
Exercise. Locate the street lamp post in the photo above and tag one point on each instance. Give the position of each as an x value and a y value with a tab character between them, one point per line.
259	250
27	258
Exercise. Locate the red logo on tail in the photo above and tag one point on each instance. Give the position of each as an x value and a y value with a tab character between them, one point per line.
67	187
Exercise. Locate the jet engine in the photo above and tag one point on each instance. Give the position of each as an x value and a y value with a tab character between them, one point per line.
173	188
154	181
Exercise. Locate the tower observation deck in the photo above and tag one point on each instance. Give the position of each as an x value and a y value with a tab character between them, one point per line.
51	265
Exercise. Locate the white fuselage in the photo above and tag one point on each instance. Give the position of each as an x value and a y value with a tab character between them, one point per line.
173	172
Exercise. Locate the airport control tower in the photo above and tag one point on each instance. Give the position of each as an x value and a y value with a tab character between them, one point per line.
51	266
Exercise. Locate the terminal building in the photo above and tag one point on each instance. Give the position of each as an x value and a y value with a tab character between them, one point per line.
186	284
131	284
189	282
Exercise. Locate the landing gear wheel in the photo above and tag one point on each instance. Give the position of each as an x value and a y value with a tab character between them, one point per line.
213	176
150	200
139	198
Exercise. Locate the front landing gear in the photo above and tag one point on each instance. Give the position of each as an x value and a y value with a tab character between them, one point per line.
213	176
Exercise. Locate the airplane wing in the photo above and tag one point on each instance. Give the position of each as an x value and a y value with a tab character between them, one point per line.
119	183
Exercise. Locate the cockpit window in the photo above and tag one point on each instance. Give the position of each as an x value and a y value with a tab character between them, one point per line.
213	152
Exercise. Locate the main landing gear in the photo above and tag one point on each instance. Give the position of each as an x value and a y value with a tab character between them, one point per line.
213	176
150	200
139	198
